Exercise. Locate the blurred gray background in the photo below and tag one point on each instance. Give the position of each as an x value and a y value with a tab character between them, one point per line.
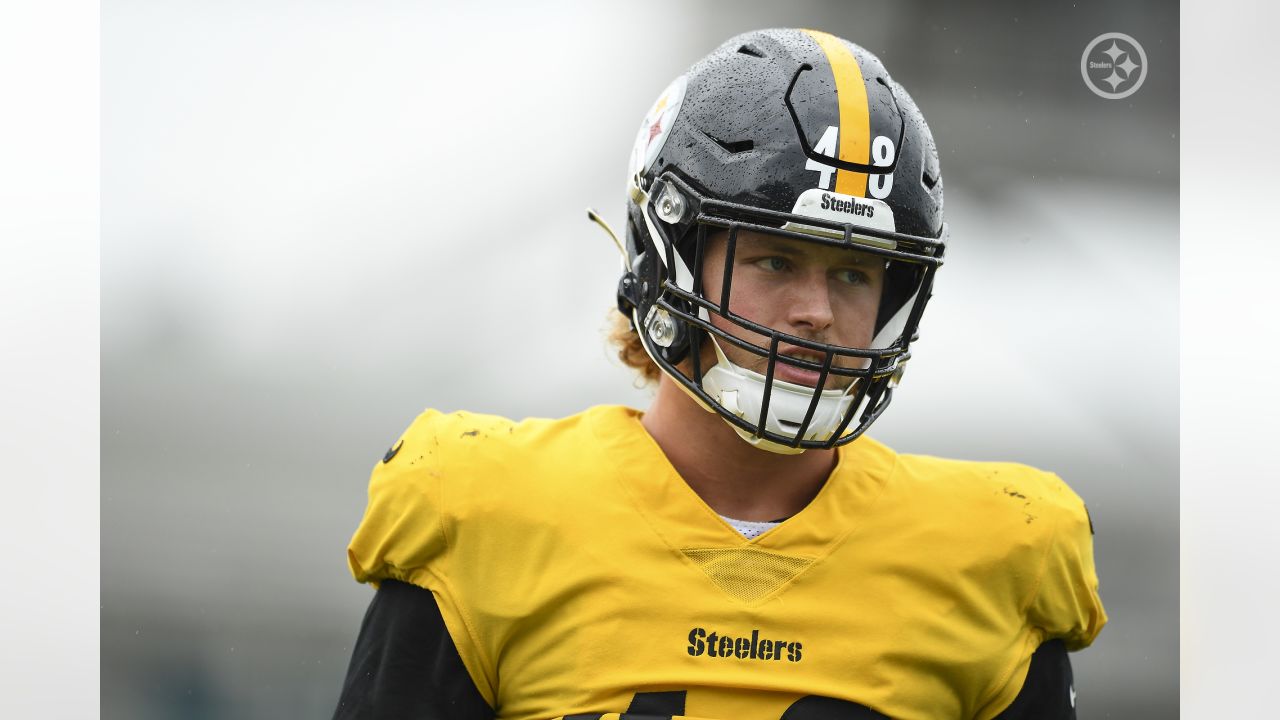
320	218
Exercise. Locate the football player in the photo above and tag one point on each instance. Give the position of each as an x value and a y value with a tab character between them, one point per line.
741	550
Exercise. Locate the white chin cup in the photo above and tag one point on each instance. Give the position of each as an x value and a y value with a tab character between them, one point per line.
741	392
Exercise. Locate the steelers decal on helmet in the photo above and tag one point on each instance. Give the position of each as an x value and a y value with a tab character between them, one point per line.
657	126
851	140
859	212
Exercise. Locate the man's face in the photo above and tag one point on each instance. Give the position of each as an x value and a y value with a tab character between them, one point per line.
809	290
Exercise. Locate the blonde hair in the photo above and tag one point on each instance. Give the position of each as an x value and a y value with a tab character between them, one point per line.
630	351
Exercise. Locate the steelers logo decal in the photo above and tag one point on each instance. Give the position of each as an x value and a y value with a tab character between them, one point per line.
657	126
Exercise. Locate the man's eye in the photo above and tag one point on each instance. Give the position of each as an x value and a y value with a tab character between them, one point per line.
852	277
772	264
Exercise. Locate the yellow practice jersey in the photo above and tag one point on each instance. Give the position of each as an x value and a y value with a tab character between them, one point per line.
578	574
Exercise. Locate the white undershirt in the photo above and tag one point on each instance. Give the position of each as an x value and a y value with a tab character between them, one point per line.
750	529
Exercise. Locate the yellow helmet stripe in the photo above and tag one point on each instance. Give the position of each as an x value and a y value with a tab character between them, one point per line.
855	120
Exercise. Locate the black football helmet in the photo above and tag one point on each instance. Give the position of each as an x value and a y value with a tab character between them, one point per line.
793	134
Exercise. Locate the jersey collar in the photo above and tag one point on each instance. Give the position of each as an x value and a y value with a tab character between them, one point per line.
683	521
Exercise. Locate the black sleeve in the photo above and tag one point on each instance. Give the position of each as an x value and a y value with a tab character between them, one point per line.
1048	692
405	665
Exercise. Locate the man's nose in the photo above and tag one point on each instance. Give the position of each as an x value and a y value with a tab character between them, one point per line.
810	302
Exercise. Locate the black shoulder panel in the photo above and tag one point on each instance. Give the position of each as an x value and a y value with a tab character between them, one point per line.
405	665
1049	691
